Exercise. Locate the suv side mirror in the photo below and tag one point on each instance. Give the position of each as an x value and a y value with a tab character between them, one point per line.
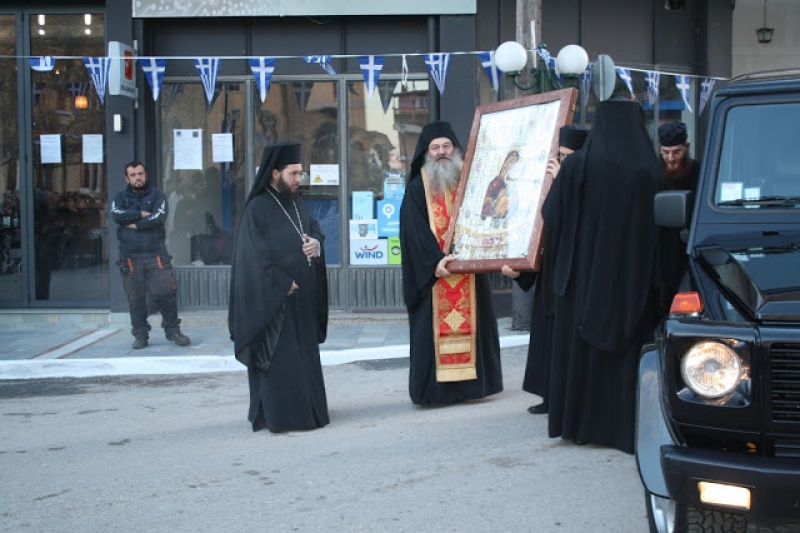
673	208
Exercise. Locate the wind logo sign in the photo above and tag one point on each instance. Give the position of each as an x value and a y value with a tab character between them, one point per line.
368	252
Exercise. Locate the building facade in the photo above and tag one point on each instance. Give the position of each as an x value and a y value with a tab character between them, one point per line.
64	149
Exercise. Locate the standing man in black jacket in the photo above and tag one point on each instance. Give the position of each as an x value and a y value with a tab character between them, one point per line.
140	212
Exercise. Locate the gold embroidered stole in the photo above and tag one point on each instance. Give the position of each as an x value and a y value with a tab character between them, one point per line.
454	313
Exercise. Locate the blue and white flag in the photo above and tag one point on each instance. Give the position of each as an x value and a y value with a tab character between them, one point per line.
208	67
682	83
42	63
586	83
490	68
262	68
38	87
323	61
98	70
77	88
386	92
706	88
437	65
544	54
371	69
625	74
302	92
154	68
652	80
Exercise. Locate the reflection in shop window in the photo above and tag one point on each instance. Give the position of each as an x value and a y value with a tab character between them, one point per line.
383	133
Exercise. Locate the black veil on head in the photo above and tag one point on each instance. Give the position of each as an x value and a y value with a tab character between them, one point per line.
277	155
433	130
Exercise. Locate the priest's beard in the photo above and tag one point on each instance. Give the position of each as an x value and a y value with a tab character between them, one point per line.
443	172
283	187
679	174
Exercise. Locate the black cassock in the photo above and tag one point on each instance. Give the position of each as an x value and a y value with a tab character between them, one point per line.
277	336
421	254
603	280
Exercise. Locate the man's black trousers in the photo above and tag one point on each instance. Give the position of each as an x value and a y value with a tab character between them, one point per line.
153	274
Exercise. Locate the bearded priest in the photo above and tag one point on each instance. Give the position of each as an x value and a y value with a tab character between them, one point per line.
454	344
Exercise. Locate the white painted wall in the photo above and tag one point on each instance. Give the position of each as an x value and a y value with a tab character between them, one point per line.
748	55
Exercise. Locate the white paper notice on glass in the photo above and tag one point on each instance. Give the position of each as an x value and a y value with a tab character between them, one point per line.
188	149
51	148
222	147
92	148
363	205
324	174
730	191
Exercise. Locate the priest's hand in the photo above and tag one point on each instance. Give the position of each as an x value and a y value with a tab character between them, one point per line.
311	246
293	289
441	268
510	272
553	166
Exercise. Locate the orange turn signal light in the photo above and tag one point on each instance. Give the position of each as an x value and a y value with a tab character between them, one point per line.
686	303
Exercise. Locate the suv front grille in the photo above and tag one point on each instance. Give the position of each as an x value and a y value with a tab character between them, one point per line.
785	382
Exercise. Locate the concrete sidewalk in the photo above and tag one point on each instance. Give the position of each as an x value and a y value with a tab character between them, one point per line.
83	351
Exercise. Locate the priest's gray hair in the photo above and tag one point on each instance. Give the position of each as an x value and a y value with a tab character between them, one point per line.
444	173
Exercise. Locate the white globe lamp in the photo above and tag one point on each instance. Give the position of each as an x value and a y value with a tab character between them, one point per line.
510	57
572	60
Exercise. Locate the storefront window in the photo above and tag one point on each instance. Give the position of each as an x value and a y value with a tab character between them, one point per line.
203	170
383	131
10	230
69	167
307	112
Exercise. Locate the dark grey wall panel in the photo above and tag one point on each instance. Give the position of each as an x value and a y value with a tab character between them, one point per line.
620	28
561	24
457	33
718	31
385	35
677	36
199	38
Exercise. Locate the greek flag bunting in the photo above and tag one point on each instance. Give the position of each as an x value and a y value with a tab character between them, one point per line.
682	83
490	68
208	67
323	61
625	74
544	54
262	68
706	87
371	69
586	83
42	63
404	76
386	92
437	65
652	79
98	70
302	92
77	88
154	68
552	63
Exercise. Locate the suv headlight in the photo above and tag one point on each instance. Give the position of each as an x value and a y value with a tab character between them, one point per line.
711	369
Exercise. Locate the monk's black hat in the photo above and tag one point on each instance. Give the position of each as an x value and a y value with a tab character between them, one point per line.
572	136
672	133
289	154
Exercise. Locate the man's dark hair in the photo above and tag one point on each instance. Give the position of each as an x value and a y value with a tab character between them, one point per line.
133	164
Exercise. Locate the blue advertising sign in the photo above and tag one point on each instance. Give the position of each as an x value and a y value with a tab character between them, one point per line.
388	218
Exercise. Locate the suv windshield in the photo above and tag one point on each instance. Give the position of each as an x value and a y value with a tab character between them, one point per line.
760	162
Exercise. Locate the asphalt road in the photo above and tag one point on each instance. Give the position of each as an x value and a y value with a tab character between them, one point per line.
176	453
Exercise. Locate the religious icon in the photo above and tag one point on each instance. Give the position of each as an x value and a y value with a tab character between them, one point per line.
504	182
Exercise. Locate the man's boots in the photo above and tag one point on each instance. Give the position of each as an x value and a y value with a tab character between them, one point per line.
140	342
179	338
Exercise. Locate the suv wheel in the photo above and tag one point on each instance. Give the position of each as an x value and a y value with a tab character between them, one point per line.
666	516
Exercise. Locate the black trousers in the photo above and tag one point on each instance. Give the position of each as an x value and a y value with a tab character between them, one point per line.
153	274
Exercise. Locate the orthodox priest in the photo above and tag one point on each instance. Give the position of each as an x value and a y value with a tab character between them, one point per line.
537	369
604	250
278	309
455	347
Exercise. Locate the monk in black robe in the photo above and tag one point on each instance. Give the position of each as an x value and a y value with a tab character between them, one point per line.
604	242
277	316
435	171
537	369
681	173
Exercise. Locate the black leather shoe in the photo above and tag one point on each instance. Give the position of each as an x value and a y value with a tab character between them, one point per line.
539	409
179	338
139	343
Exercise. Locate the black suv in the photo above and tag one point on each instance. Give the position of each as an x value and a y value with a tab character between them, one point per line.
718	406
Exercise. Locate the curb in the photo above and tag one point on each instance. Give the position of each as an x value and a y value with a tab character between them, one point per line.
196	364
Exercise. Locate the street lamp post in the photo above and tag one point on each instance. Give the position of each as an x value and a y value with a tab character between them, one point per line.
511	57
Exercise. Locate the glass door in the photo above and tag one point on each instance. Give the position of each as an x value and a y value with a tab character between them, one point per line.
68	173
